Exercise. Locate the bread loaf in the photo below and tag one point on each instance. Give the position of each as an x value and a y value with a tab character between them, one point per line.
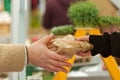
68	46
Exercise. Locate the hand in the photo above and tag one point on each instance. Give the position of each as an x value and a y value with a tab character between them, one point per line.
84	38
88	53
40	55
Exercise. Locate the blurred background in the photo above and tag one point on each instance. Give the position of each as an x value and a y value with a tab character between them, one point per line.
25	21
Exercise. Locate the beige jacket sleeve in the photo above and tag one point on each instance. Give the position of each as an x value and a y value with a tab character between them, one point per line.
12	57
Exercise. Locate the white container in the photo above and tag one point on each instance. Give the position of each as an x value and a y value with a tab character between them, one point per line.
34	78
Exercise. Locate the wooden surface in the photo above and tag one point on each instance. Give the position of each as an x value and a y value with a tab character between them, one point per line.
106	7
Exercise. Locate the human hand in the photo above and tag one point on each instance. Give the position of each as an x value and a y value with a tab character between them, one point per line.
84	54
40	55
83	38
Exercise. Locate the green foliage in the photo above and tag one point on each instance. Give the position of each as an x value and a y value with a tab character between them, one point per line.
48	75
35	20
83	14
108	21
63	30
30	69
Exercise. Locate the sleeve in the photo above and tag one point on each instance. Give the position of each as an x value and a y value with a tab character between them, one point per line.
102	44
115	44
12	57
47	18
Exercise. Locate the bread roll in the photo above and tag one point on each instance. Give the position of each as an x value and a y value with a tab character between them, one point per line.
68	46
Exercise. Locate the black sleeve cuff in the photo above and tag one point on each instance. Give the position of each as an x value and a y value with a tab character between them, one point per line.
115	44
101	44
95	40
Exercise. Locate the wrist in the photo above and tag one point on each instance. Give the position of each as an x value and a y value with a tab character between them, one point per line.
29	54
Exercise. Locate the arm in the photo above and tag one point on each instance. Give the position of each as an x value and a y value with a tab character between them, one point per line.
106	44
115	44
12	57
102	44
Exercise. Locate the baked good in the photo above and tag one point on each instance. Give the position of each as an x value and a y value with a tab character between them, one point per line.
68	46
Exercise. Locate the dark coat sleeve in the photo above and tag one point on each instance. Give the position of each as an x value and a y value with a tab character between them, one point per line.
106	45
102	44
115	44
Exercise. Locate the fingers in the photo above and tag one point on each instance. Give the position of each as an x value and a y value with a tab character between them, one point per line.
83	38
46	39
53	64
56	56
52	68
84	54
59	63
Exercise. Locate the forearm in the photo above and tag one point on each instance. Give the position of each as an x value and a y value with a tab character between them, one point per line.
102	44
12	57
115	44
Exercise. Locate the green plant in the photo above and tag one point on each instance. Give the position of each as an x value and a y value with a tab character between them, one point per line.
30	69
83	14
63	30
108	21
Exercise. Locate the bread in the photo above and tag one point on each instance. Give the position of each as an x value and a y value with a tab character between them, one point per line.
68	46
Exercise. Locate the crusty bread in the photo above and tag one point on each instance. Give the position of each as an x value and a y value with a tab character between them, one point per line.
68	46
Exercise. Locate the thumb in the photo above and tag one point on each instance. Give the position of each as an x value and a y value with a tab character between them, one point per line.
46	39
83	38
